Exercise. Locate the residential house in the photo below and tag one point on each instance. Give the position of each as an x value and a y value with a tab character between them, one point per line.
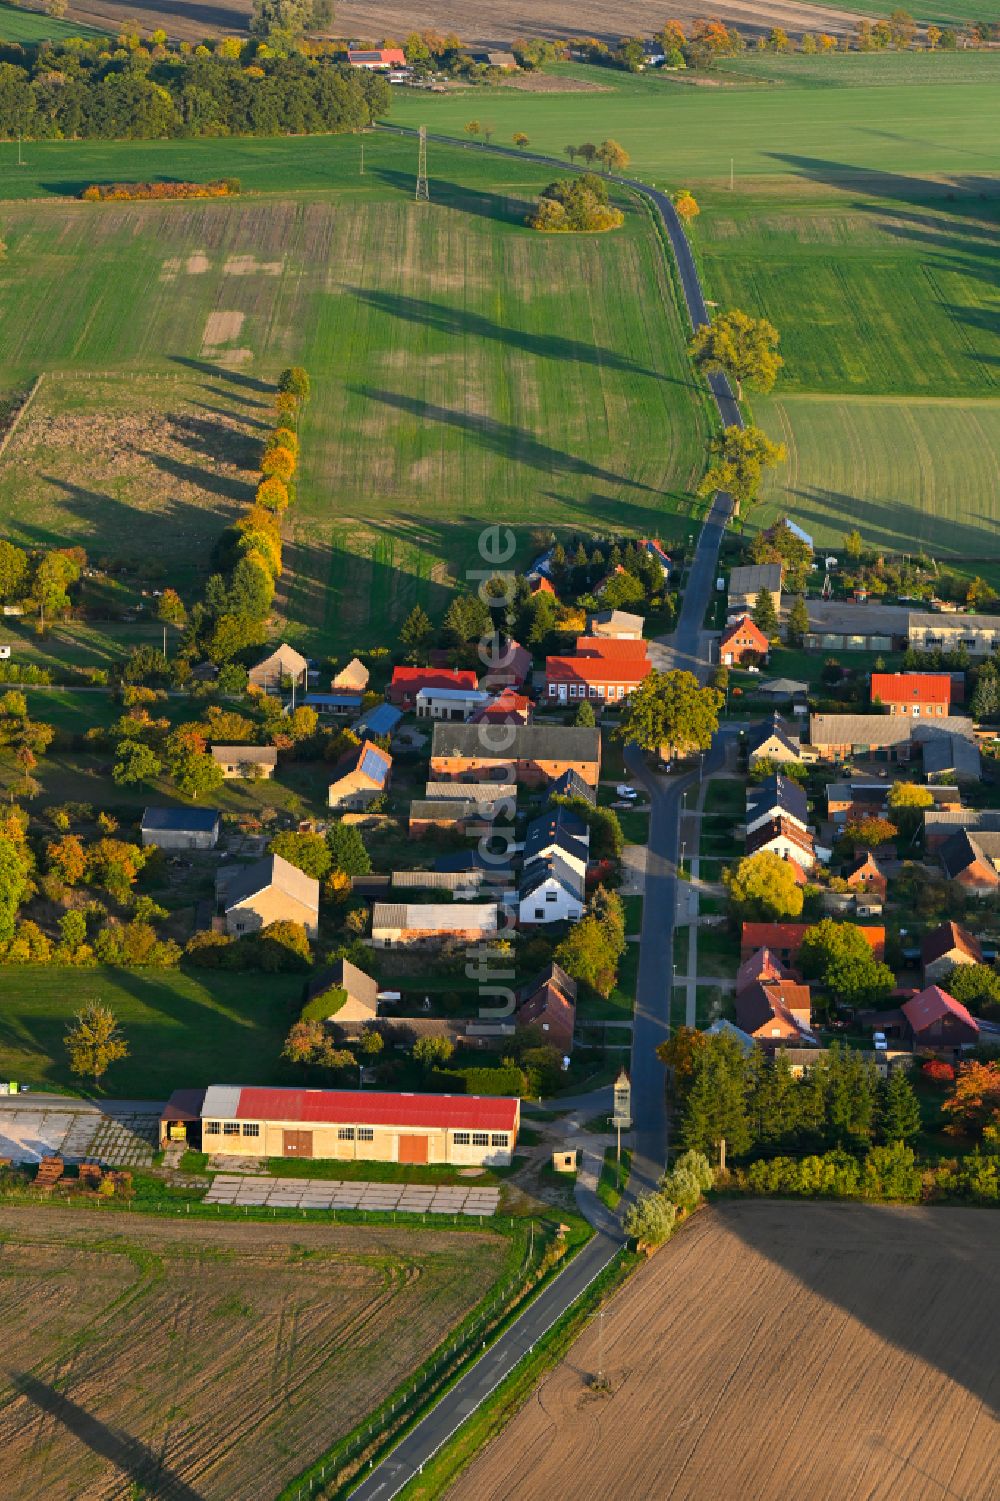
779	1012
359	1125
534	754
946	947
351	994
865	877
378	721
780	836
616	625
570	784
721	1026
270	890
245	762
377	59
407	682
771	741
509	664
942	821
847	802
743	643
509	707
552	887
652	547
973	860
460	704
539	584
777	820
415	924
353	678
333	705
284	665
747	582
549	1003
785	938
921	695
359	778
761	966
882	737
181	828
938	1021
600	669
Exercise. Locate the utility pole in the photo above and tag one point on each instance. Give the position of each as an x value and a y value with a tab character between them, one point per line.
422	189
362	158
20	162
164	643
732	175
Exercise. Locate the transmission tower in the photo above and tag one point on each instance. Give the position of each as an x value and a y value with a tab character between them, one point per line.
422	188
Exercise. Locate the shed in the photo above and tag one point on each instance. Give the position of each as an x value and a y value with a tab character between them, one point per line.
181	828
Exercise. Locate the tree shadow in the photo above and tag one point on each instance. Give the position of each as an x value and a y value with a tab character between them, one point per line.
892	524
222	373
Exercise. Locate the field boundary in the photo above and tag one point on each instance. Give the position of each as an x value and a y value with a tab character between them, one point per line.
15	420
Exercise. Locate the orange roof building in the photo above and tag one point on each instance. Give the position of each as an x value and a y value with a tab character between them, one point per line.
920	695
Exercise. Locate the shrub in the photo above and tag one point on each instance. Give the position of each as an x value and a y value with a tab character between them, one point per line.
650	1219
681	1187
118	192
579	205
891	1173
279	462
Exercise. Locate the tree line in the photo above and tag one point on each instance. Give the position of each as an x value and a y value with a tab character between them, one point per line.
78	89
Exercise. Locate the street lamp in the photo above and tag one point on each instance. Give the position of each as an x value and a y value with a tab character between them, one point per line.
683	850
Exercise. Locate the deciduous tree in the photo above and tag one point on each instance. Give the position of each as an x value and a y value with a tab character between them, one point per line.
671	712
741	456
94	1042
762	888
746	348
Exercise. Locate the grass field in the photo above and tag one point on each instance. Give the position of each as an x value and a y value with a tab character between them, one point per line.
804	1311
27	26
463	369
249	1348
180	1027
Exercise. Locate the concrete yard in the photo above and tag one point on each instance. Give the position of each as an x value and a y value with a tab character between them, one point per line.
116	1133
324	1193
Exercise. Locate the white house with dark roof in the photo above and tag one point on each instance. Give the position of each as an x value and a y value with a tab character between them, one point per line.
553	885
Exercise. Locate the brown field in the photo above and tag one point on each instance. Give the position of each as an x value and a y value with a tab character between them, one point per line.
201	1362
475	21
779	1352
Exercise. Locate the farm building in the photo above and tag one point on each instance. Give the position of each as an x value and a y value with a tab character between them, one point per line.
945	948
450	703
408	681
921	695
352	995
837	626
407	924
181	828
285	665
509	707
351	1125
380	720
616	625
377	59
942	821
896	737
973	860
352	678
359	778
270	890
864	875
535	754
600	670
429	813
333	705
745	583
493	793
848	801
743	642
245	762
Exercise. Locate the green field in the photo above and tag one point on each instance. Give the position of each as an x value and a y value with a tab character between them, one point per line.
28	26
943	12
182	1029
464	369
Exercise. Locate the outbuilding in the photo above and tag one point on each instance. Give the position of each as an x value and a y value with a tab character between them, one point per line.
181	828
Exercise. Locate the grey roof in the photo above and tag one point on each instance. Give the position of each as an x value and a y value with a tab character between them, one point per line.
840	616
952	753
571	784
956	620
449	790
883	729
782	688
770	729
455	695
963	848
345	976
272	870
257	755
986	820
722	1025
751	578
524	742
621	620
559	828
181	820
551	867
221	1102
434	917
440	809
779	794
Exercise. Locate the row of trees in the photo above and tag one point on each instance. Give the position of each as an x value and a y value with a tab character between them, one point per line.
77	89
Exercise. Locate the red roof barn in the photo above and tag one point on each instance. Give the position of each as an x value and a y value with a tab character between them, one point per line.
407	682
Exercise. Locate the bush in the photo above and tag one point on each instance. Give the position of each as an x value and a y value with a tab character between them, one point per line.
505	1080
577	206
650	1219
117	192
681	1187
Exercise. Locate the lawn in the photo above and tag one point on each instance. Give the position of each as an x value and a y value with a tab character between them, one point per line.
183	1029
28	26
463	368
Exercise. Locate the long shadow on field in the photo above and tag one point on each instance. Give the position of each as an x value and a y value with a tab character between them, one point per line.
142	1466
894	525
895	1294
457	322
219	372
512	443
225	486
973	197
501	207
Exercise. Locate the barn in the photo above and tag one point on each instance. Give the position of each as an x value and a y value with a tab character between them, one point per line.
351	1125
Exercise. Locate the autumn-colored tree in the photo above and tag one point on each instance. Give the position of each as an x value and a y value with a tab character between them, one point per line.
746	348
612	156
933	36
938	1071
94	1042
294	381
677	1054
741	456
67	859
974	1105
272	494
170	608
672	713
279	462
686	205
870	832
283	437
472	127
763	888
520	139
910	795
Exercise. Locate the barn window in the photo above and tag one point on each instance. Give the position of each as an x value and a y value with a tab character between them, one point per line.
461	1138
499	1139
212	1128
251	1128
345	1133
366	1133
480	1138
230	1128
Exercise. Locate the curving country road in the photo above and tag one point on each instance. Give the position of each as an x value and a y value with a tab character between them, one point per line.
652	1016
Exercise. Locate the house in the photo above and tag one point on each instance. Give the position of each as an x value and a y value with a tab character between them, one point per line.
270	890
359	1125
776	797
979	634
359	778
601	670
245	762
508	707
553	881
921	695
616	625
942	821
781	688
549	1003
350	679
748	581
778	1012
378	721
450	703
846	802
743	643
653	549
973	861
352	995
509	664
285	665
407	924
937	1020
336	705
944	948
762	966
570	784
181	828
781	836
883	737
785	938
863	875
377	59
539	584
772	742
534	754
407	682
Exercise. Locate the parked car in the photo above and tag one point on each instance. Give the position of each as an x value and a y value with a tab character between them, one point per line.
624	790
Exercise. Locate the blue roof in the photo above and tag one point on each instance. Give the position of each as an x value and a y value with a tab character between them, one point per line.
333	700
201	820
373	764
381	720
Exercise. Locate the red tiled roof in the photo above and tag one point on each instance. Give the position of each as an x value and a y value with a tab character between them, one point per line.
506	704
601	659
789	935
738	627
433	677
541	585
761	965
948	938
775	828
617	648
932	1005
911	687
369	1107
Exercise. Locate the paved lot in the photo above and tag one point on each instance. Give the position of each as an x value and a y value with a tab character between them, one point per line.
124	1135
325	1193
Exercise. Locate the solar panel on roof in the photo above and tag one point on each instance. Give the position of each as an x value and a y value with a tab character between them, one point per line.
372	765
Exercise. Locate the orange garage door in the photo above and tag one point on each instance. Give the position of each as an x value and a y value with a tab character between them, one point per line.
413	1149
